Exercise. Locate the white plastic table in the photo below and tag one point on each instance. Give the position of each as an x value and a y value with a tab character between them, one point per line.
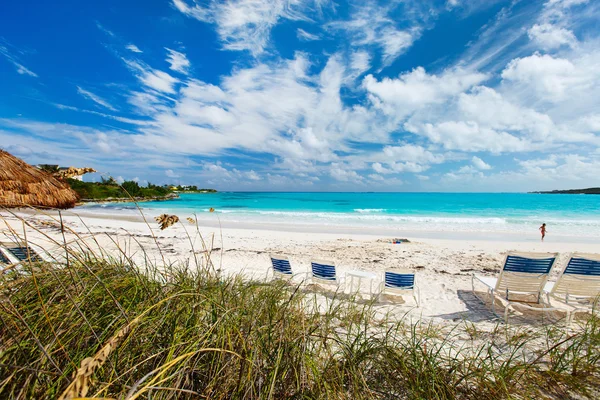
360	275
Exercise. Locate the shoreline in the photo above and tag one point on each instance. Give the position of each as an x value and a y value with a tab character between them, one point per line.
210	220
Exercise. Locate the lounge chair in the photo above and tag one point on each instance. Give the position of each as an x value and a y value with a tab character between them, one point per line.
23	252
578	283
399	283
522	274
323	272
3	258
282	268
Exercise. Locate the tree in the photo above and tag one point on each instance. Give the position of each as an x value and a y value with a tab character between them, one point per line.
132	188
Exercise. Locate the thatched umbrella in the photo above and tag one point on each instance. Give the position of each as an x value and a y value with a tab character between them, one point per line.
23	185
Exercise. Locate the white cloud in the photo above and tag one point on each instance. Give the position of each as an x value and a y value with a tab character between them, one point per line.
551	78
375	177
171	174
549	36
275	108
379	168
360	62
371	25
566	171
412	153
253	176
24	70
480	164
178	61
306	36
133	48
469	136
416	89
342	173
14	60
95	98
490	110
153	78
247	24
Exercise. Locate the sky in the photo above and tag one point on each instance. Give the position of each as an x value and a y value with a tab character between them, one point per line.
307	95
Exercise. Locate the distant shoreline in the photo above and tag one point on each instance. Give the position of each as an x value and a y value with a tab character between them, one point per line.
571	191
170	196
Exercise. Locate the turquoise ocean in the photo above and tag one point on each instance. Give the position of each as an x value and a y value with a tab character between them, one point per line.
500	213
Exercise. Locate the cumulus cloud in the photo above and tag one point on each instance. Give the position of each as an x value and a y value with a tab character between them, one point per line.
549	36
551	78
480	164
413	90
342	173
171	174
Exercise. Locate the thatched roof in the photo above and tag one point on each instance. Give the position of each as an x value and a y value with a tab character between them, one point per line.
23	185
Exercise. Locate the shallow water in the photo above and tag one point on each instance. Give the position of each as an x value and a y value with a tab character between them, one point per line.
565	215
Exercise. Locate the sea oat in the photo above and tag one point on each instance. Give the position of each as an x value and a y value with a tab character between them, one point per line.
165	220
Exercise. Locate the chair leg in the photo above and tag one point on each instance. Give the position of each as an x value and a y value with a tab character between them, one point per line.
506	310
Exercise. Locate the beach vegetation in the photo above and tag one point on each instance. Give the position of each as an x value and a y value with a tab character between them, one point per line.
110	189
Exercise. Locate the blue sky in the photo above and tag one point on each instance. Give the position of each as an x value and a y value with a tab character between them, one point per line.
310	95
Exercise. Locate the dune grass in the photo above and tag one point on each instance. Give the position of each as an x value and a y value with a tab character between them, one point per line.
101	326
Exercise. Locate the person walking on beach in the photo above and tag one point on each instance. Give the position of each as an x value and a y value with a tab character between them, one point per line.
543	230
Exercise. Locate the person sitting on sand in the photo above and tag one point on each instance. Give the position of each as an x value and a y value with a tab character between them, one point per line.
543	230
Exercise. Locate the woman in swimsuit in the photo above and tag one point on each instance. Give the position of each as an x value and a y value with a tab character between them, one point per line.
543	230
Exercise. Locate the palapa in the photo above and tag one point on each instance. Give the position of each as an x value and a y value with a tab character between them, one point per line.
22	185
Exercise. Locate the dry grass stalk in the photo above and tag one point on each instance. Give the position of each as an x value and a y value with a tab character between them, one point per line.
165	221
191	220
81	383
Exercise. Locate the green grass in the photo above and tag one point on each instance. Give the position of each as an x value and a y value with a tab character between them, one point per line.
185	332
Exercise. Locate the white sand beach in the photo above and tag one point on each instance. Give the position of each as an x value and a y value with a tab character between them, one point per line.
443	266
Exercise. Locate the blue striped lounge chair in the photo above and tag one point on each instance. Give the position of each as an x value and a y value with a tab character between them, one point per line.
522	274
282	269
323	272
4	260
578	283
399	283
24	253
18	253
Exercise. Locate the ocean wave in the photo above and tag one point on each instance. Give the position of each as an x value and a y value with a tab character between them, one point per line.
370	210
381	217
